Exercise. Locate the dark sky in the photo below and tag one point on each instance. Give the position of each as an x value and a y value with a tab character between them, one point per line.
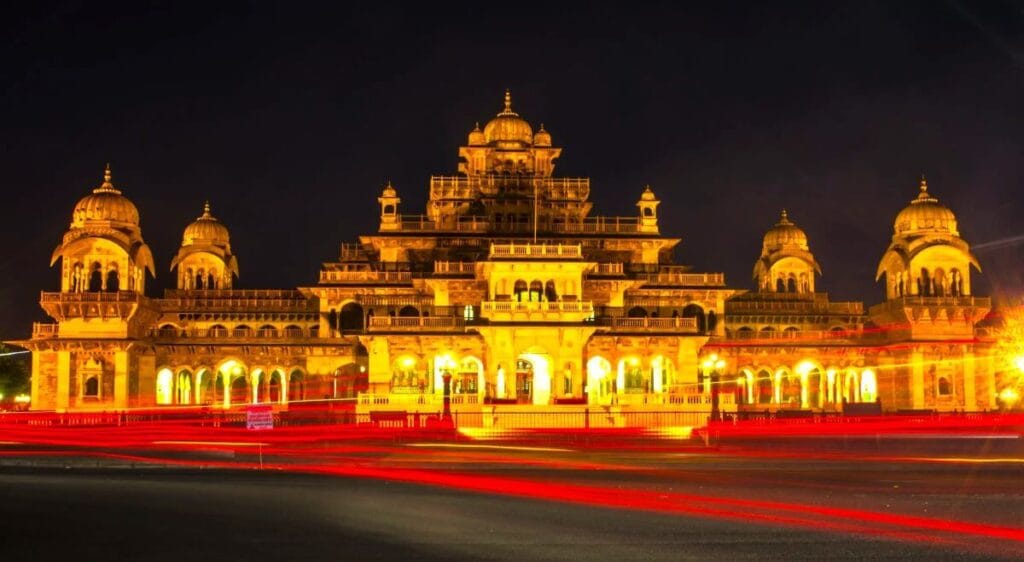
289	118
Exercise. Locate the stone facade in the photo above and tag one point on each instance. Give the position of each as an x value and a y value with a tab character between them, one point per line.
507	290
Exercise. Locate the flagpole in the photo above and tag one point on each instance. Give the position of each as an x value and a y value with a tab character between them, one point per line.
536	187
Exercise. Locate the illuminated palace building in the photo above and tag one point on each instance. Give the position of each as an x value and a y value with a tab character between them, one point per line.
509	294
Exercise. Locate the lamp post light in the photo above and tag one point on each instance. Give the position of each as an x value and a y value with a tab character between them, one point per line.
713	366
446	376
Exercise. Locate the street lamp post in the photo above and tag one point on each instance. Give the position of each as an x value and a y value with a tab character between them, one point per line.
446	413
713	366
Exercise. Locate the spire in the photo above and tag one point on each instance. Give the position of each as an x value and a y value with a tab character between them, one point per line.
107	186
923	196
508	105
206	210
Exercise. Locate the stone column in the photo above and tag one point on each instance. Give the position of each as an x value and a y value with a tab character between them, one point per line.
64	389
916	379
121	379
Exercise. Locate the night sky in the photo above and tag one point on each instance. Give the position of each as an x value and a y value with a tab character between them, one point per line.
290	119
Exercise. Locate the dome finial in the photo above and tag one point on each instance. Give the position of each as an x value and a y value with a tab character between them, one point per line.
784	218
508	99
922	194
206	209
107	185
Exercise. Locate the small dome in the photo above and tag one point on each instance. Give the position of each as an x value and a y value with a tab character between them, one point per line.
476	136
206	230
389	191
647	195
508	126
785	233
925	213
105	203
542	138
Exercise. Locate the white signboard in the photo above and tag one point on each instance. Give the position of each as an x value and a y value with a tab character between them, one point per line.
259	417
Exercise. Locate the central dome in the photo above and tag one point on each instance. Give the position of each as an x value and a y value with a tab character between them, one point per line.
206	229
925	213
508	126
105	203
785	233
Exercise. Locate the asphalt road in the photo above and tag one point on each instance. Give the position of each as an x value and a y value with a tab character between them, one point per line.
176	514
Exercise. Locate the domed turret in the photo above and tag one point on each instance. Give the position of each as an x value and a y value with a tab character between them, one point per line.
542	138
784	234
103	249
476	136
206	230
507	126
389	217
786	264
105	203
204	260
648	205
926	257
925	213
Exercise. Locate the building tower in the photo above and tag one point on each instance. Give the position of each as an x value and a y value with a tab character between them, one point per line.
103	250
648	205
931	312
926	257
786	264
389	217
204	260
94	361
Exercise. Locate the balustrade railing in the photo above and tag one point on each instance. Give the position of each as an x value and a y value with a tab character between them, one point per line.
364	276
454	267
167	333
42	330
676	324
586	307
609	268
685	279
88	297
536	251
416	323
808	335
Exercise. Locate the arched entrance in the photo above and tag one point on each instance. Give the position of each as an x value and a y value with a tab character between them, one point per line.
274	386
350	380
790	389
697	313
232	385
631	378
661	374
165	387
469	378
533	378
183	387
764	387
296	386
524	382
814	394
598	380
204	387
351	318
